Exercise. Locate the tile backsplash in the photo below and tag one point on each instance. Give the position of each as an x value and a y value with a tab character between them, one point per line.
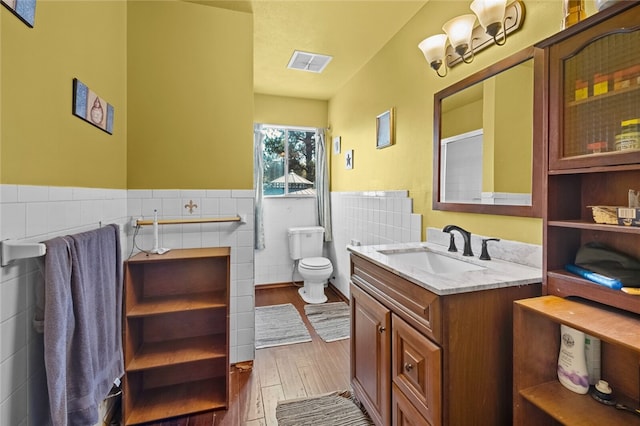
369	217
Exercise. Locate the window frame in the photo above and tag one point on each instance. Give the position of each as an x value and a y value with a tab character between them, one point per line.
288	128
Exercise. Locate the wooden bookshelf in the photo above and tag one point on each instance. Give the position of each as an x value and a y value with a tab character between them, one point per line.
176	334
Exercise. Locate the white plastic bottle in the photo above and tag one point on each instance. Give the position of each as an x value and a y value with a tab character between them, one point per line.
572	365
592	357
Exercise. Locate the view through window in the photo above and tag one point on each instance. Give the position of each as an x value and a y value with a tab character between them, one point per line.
289	158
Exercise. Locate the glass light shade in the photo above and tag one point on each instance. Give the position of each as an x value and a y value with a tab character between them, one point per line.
489	11
459	30
433	48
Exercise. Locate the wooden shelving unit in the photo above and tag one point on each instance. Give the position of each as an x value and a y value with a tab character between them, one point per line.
539	398
576	178
176	338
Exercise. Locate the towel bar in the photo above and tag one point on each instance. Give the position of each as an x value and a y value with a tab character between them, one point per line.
14	250
239	218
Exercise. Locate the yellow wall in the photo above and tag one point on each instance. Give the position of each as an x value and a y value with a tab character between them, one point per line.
41	142
190	78
513	130
289	111
399	76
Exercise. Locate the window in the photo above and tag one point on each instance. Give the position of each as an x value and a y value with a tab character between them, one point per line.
289	158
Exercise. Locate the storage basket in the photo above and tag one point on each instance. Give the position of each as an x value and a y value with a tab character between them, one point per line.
605	214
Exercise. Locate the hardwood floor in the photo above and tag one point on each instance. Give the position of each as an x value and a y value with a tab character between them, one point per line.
280	373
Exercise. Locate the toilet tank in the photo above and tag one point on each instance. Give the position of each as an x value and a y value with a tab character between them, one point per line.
306	242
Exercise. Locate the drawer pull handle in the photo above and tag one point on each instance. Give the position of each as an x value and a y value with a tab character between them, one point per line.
381	329
408	367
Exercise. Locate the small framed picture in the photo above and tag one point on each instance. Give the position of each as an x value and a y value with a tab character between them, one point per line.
25	10
87	105
385	129
336	145
348	159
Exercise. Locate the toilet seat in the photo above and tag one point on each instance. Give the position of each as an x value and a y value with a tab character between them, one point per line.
315	263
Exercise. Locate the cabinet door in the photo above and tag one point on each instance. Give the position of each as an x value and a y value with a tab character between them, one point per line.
370	354
404	413
416	369
594	89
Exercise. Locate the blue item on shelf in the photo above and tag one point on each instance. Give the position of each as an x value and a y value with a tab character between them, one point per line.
594	277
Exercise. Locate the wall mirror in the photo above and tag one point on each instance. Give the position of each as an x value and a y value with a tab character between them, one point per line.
487	156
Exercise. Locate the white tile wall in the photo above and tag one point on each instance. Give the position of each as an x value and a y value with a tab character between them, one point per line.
173	204
371	217
273	263
33	214
38	213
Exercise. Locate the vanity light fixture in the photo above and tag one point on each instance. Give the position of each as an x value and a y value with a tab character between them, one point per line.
434	50
459	30
490	14
464	39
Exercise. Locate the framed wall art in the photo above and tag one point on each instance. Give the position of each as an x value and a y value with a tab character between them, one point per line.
91	107
336	145
25	10
385	129
348	159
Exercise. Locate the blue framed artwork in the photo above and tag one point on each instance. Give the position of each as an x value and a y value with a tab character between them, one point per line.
25	10
91	107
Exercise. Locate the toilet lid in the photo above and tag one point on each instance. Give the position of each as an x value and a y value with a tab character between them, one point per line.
315	263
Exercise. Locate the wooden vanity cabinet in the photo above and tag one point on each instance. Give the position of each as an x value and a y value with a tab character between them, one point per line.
175	333
418	358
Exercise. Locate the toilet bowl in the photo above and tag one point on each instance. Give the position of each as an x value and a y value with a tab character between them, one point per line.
305	247
315	272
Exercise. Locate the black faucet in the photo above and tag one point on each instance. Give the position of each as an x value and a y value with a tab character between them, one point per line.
466	236
485	253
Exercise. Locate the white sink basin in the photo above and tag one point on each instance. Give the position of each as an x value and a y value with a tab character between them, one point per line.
427	260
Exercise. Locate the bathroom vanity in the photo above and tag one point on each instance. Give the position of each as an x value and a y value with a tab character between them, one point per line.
433	346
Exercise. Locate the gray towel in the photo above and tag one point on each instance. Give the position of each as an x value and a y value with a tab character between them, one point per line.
82	323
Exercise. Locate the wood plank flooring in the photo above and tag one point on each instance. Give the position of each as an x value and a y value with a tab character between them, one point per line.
280	373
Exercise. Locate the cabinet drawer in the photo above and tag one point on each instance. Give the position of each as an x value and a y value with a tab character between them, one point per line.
405	414
416	369
415	304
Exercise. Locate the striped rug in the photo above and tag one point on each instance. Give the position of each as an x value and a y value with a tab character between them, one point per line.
278	325
334	409
330	320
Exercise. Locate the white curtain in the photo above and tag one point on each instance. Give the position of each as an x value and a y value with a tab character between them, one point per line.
322	185
258	178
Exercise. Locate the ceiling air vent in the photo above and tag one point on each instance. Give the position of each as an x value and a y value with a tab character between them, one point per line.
306	61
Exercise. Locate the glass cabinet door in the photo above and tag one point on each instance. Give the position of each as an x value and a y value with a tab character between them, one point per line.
594	114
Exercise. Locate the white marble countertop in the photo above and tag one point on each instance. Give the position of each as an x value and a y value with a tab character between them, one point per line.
494	273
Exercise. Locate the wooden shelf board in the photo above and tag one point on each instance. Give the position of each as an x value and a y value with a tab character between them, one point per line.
182	255
582	224
562	283
611	93
596	169
609	325
172	352
161	403
570	408
178	303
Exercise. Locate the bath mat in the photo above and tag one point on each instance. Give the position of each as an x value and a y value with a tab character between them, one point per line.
279	325
333	409
332	321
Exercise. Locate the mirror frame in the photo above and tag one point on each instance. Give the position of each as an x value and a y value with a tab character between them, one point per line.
538	137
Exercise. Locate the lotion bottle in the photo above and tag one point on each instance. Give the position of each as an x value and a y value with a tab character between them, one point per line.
572	365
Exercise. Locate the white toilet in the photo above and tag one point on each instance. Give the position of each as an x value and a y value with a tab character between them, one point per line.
305	246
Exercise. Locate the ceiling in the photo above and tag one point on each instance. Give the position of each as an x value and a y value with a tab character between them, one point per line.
352	31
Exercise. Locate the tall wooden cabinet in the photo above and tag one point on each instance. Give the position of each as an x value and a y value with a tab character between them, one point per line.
577	178
593	105
176	333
